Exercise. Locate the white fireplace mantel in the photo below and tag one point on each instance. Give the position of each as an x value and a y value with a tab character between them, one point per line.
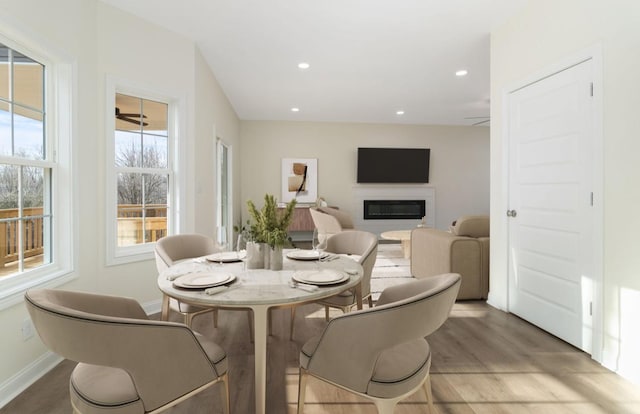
363	192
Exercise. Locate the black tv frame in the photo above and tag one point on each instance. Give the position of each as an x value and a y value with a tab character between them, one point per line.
393	165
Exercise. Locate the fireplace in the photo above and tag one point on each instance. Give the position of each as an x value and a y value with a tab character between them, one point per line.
394	209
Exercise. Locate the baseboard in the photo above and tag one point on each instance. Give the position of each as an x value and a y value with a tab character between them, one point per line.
12	387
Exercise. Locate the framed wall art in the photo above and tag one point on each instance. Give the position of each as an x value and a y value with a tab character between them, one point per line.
300	180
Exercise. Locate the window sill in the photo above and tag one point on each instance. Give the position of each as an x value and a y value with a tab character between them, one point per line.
132	255
12	290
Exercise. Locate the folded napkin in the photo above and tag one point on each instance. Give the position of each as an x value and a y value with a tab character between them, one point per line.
215	289
185	267
303	286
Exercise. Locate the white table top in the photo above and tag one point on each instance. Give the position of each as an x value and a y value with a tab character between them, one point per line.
257	286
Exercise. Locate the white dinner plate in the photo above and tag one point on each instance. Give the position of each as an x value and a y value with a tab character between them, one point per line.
225	257
320	277
305	254
203	280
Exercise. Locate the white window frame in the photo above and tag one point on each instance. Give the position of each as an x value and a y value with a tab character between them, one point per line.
115	254
60	86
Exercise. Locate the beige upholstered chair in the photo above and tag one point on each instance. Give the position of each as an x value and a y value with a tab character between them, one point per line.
394	360
463	249
330	221
128	364
171	249
364	245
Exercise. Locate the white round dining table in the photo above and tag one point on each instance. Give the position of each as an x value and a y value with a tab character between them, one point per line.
258	290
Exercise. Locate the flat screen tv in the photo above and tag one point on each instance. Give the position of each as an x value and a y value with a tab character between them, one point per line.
393	165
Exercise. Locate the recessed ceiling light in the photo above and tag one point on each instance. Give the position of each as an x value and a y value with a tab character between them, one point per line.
462	72
304	65
295	109
400	112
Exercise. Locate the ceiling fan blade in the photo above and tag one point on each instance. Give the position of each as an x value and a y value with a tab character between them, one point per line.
119	114
131	121
132	115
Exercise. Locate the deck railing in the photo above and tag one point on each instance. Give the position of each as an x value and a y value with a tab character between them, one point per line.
133	229
31	237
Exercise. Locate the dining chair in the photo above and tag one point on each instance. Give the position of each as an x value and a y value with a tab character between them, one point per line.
172	249
381	353
127	364
364	246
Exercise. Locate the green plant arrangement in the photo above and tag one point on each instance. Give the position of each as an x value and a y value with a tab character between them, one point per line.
269	225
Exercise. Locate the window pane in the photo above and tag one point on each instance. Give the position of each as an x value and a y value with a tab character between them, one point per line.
4	72
155	116
128	111
28	76
129	190
5	129
33	242
9	190
129	209
28	132
155	188
130	228
32	190
155	195
128	149
155	223
155	151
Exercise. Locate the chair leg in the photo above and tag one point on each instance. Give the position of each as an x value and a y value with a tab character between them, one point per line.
188	319
385	406
302	388
427	388
215	318
326	313
225	393
370	299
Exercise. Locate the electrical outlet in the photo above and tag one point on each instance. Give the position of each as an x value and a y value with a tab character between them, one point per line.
27	329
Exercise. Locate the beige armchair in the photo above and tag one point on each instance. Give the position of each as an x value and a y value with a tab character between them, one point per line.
128	364
172	249
381	353
330	221
464	249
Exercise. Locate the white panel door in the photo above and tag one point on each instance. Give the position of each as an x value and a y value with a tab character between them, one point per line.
550	203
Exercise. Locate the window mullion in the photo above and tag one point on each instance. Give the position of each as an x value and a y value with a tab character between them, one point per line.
20	223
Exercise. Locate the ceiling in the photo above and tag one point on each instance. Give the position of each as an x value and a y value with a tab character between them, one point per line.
368	58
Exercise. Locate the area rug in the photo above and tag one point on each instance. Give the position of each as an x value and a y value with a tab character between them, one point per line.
391	268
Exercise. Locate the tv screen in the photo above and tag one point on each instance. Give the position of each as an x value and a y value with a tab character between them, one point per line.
393	165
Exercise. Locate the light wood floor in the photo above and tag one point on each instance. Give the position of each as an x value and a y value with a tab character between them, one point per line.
484	361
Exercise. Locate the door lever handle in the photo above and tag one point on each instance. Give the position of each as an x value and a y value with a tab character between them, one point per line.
512	213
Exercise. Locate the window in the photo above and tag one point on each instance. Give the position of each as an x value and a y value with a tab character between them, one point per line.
225	227
25	169
141	175
34	170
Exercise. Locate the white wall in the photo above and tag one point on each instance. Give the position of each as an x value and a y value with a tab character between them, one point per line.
459	163
545	33
103	41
